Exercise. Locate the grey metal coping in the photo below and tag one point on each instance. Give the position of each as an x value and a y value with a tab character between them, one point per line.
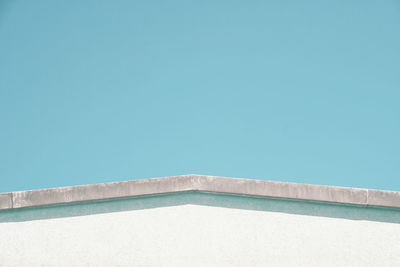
214	184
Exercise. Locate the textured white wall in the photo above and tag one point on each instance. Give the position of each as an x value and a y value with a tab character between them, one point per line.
193	235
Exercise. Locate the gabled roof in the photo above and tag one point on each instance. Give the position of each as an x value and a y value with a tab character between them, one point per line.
204	183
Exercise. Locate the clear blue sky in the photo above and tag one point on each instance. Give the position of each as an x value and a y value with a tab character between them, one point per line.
301	91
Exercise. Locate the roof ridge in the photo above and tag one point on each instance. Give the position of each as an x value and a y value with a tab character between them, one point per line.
196	182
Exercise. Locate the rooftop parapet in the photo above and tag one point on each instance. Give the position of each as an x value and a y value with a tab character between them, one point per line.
204	183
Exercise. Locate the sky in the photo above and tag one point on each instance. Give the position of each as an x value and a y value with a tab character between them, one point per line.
298	91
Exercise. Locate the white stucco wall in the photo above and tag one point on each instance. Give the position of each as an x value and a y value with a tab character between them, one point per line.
196	235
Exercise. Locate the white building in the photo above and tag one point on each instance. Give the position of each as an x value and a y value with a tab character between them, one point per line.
195	220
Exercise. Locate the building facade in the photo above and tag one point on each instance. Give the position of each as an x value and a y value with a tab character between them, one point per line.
196	220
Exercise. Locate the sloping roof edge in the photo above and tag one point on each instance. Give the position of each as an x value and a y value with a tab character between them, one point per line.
214	184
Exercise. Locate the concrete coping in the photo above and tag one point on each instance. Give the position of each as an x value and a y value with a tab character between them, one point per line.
204	183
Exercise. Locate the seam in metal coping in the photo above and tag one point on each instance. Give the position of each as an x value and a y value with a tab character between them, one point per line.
213	184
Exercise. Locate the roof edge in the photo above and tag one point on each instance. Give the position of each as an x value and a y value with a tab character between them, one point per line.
192	182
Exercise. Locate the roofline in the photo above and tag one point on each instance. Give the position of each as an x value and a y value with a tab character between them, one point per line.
203	183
